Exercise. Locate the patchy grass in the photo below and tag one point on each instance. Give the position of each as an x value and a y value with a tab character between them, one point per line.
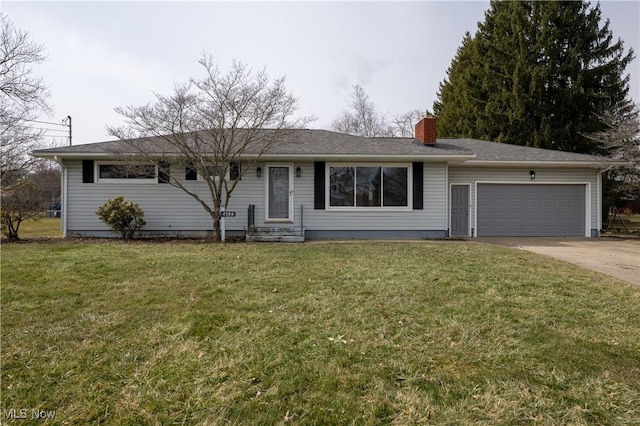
626	225
46	227
353	333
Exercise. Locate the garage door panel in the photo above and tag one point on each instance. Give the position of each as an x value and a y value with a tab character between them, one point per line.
531	210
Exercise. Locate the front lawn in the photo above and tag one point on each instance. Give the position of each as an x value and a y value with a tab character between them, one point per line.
335	333
45	227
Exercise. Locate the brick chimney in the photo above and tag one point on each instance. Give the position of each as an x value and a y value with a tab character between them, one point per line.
426	130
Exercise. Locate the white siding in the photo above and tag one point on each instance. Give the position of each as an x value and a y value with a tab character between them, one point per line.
472	175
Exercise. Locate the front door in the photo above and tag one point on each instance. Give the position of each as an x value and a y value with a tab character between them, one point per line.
459	210
279	196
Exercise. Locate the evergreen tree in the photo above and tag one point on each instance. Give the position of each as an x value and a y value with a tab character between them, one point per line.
463	72
537	74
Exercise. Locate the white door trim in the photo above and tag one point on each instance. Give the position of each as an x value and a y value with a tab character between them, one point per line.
288	219
587	199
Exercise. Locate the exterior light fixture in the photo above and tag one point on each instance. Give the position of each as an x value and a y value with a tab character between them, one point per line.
259	171
532	173
298	172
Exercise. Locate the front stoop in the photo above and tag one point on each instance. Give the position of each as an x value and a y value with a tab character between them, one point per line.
275	235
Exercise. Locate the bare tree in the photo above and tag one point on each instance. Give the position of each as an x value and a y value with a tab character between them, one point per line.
20	202
363	119
621	140
24	96
404	124
46	175
215	127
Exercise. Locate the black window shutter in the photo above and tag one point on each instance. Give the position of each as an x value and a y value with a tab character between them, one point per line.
190	172
418	175
234	171
164	170
318	185
87	171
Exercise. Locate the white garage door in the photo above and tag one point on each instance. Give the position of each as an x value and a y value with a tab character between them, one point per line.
531	210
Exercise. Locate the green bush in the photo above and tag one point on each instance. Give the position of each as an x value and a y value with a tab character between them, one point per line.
125	217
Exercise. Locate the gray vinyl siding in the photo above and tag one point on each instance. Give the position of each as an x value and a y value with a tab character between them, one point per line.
432	217
170	210
473	175
166	208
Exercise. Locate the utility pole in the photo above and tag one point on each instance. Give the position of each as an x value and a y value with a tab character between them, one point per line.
67	122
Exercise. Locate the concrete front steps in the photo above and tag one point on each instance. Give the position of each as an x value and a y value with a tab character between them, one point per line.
267	234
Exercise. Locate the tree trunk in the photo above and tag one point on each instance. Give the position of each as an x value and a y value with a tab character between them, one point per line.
12	230
217	232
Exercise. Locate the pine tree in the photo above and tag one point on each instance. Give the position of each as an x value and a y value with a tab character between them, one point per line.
536	74
463	71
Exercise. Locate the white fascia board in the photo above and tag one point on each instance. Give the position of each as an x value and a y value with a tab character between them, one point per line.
71	155
274	157
91	155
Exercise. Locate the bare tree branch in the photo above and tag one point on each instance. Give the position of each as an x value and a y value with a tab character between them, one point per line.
363	119
404	124
621	140
23	97
20	202
211	125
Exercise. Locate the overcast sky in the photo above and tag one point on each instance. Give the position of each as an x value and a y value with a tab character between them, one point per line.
107	54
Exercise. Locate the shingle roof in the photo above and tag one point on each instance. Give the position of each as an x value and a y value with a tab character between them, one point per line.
324	145
501	152
301	143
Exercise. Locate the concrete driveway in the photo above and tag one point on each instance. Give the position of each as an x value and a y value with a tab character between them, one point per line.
619	258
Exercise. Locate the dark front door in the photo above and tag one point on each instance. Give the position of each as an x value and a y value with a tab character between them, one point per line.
459	210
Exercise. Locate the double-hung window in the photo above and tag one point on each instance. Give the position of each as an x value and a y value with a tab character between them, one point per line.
369	186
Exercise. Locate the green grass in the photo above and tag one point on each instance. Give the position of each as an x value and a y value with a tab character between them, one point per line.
630	226
41	228
352	333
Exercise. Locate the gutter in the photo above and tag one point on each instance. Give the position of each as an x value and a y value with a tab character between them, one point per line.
64	196
270	157
596	164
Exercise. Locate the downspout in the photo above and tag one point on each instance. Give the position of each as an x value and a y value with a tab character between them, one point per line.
63	198
447	207
599	202
600	195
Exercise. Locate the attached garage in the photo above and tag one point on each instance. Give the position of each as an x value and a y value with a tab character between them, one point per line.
531	210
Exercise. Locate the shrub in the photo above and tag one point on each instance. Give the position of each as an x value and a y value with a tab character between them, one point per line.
125	217
20	202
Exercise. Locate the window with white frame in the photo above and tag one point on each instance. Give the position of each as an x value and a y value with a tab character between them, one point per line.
126	172
369	186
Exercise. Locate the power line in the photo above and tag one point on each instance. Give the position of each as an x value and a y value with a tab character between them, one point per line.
43	129
47	122
45	132
66	122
